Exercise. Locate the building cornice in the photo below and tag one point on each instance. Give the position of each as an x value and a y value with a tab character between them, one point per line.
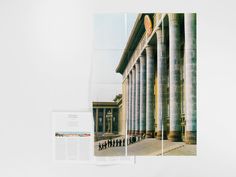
113	104
134	38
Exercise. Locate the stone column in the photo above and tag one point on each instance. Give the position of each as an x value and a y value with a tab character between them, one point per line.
127	104
142	94
175	77
190	78
111	119
133	101
104	120
130	103
150	92
137	100
162	78
96	121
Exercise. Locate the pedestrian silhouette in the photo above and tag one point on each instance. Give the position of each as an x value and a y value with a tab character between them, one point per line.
99	147
105	144
110	142
133	139
120	142
130	140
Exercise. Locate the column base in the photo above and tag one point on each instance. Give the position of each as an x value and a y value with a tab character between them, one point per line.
190	137
175	136
159	135
150	134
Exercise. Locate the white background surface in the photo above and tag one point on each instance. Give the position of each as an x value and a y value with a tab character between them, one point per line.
110	35
45	59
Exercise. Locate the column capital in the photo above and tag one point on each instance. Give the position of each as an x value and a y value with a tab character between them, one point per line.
142	59
190	31
133	69
173	18
158	16
130	74
150	50
159	33
150	47
137	63
142	55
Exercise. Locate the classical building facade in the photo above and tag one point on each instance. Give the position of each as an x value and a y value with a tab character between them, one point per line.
159	77
106	116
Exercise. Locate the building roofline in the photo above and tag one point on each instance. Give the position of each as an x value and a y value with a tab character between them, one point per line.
104	104
128	44
134	38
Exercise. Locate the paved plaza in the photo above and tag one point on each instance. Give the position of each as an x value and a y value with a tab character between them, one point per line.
186	150
149	147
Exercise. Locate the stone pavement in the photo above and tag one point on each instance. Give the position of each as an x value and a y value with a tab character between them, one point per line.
149	147
186	150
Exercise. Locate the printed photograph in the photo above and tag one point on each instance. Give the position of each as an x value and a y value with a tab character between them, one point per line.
144	84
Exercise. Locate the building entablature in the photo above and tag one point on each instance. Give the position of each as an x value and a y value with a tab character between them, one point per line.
132	53
105	105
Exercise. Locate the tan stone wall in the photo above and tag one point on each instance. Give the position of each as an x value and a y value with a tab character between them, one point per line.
123	109
120	129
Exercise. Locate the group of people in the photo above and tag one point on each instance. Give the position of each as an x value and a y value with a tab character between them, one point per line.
111	143
118	142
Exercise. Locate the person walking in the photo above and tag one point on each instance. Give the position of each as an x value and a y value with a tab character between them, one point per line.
99	146
105	144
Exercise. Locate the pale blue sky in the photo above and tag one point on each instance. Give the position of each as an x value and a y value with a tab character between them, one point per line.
110	34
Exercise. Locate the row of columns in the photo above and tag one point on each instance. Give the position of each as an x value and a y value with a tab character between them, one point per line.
104	120
141	95
140	118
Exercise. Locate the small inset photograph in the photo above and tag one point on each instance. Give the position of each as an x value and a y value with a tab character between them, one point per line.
72	136
144	84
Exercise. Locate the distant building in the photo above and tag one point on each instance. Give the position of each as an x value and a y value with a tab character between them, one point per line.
106	116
